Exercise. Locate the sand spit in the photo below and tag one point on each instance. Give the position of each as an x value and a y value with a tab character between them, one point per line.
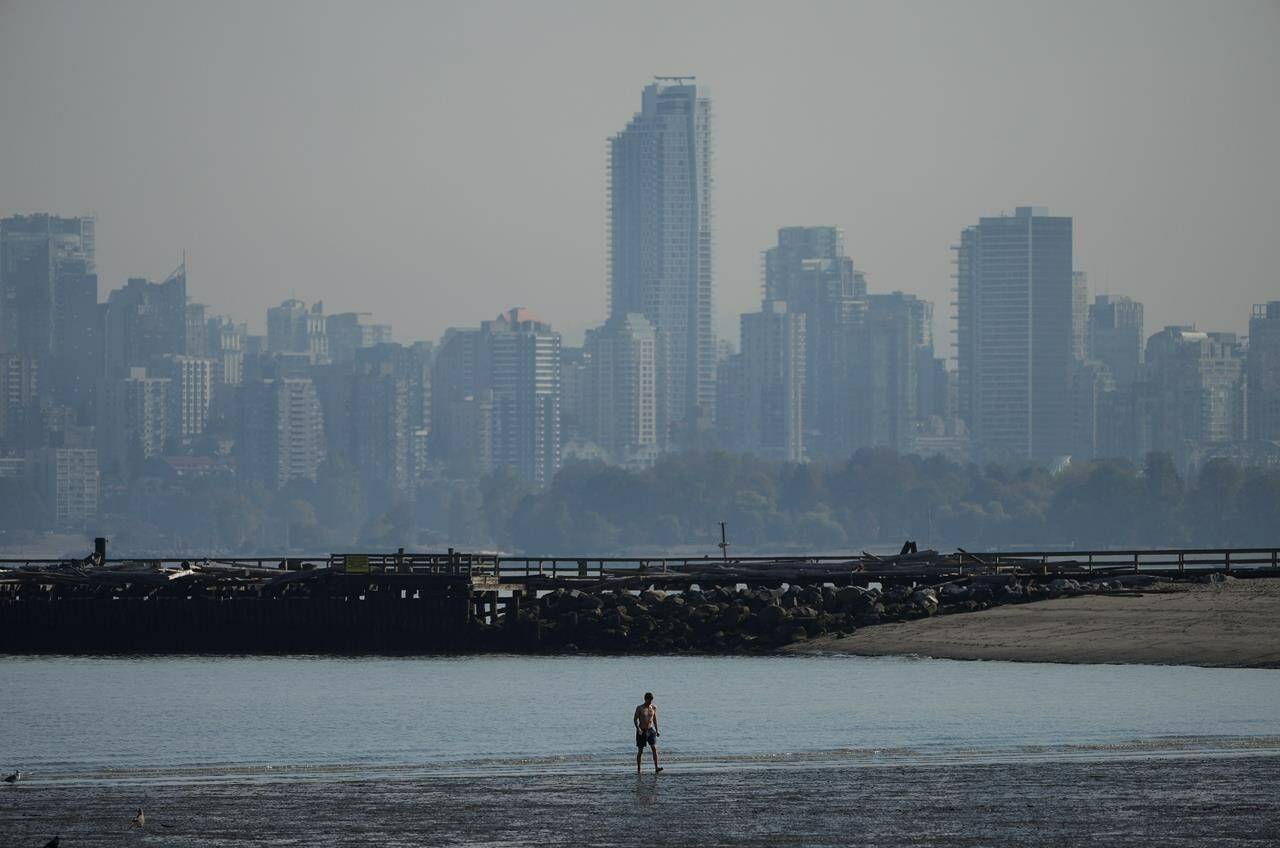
1235	623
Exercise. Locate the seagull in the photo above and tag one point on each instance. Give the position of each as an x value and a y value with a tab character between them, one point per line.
13	778
140	820
53	843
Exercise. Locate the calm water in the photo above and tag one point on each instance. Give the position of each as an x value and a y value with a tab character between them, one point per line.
197	720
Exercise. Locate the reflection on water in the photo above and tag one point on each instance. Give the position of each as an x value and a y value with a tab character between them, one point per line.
172	720
647	789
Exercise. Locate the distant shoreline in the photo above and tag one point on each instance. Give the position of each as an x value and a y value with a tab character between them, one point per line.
1235	624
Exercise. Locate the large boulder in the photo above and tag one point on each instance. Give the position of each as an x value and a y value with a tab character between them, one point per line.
926	600
853	598
772	615
897	594
585	601
652	596
789	632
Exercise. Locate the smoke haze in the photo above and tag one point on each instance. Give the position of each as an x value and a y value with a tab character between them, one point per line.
435	163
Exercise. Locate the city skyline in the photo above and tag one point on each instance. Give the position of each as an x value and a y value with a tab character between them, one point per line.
274	212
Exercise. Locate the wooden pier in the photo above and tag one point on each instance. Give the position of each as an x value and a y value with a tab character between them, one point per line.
421	602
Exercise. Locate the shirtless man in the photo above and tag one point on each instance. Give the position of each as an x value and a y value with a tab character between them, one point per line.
646	722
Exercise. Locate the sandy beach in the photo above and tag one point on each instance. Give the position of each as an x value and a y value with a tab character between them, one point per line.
1231	624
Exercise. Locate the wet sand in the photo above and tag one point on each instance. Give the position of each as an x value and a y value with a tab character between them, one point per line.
1232	624
1145	802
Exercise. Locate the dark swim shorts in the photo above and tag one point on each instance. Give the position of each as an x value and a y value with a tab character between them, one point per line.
646	737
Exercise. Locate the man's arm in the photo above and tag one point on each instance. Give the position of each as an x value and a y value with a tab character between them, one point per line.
655	721
635	718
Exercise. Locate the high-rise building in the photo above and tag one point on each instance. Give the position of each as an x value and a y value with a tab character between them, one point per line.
377	413
575	411
77	340
145	321
137	420
192	391
773	368
281	431
1015	335
660	248
38	253
1114	337
620	390
1079	315
1192	393
809	272
381	429
458	383
351	331
732	404
68	480
20	420
198	330
895	333
1094	411
1262	370
523	355
226	341
294	328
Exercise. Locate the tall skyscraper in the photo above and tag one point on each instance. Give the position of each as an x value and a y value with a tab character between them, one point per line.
524	377
77	340
377	412
1114	337
351	331
281	431
1262	370
38	252
660	248
144	322
1192	393
20	420
809	272
1015	339
1079	314
294	328
226	340
773	370
137	420
68	479
620	402
193	381
896	332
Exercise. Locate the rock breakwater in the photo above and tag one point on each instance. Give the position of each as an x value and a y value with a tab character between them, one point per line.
743	620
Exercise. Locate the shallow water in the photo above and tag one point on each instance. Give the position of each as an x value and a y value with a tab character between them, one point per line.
538	751
196	719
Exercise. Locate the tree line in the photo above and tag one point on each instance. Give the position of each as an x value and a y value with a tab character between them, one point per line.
874	501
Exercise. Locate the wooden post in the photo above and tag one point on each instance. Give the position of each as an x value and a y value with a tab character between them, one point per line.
1135	562
1227	559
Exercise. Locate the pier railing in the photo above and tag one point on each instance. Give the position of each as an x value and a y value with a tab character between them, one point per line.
491	567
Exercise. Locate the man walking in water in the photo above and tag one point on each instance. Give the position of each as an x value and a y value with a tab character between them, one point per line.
646	721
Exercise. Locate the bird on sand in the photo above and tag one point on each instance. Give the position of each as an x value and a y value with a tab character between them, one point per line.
53	843
139	820
13	778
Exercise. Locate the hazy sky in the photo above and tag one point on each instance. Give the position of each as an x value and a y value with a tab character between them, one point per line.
434	163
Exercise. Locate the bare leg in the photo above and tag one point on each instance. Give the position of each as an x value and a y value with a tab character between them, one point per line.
656	767
639	756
